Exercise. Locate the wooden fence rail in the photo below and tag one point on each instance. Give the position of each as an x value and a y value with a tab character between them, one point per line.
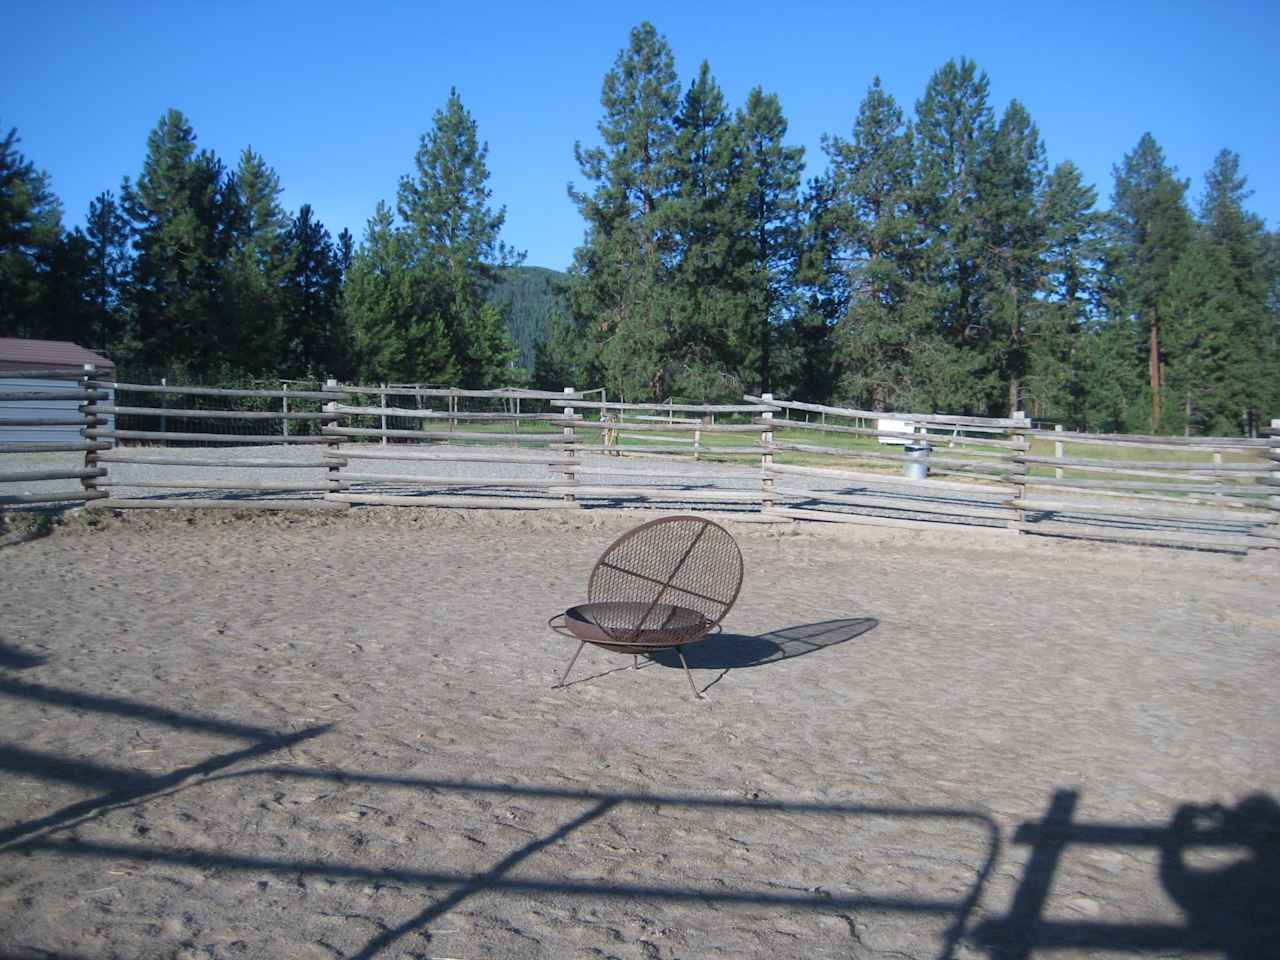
391	444
1097	496
20	471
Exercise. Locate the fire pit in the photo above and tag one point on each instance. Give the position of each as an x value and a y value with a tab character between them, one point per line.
664	584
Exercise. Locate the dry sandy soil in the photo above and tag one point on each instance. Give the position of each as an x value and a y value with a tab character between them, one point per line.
335	736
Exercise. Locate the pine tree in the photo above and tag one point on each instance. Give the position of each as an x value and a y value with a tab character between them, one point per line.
1201	313
822	295
1150	230
346	250
953	134
456	250
315	344
1058	322
258	262
382	304
182	215
618	292
107	275
30	232
1109	361
1010	179
770	183
875	239
561	357
709	308
1238	239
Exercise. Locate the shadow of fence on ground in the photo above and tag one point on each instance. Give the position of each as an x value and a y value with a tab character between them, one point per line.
1229	908
1234	908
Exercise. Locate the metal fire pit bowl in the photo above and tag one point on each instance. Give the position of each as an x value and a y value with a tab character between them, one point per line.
633	627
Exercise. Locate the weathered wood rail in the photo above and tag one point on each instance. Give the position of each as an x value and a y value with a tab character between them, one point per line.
16	471
528	449
1214	494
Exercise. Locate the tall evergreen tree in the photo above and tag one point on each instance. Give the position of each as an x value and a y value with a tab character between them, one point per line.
1065	315
259	258
395	337
30	233
1151	228
1200	313
709	309
1009	184
314	340
182	215
770	173
618	291
346	250
107	274
953	134
880	328
821	291
1238	239
456	242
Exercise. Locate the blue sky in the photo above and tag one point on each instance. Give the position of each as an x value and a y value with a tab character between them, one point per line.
336	95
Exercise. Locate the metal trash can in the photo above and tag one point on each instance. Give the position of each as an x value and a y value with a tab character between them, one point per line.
916	470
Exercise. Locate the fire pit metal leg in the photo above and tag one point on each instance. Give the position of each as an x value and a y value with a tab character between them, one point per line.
688	675
572	661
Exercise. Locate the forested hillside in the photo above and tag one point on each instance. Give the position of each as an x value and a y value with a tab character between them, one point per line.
931	259
532	299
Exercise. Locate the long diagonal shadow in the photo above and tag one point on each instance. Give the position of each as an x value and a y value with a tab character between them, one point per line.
206	858
496	878
129	786
120	707
486	880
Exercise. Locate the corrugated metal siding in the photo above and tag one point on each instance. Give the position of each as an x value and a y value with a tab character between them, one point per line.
22	409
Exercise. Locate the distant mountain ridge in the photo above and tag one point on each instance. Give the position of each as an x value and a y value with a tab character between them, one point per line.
528	297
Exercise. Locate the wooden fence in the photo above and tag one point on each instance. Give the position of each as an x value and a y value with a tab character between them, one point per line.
531	433
857	479
340	445
1197	492
146	433
26	463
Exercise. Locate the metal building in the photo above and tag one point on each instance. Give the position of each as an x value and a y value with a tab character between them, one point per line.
17	355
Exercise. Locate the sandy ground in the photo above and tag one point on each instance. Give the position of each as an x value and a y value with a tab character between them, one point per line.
309	736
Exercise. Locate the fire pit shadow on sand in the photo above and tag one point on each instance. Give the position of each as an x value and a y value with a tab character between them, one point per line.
731	651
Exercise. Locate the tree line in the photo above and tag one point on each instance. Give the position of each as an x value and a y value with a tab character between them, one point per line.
937	263
194	270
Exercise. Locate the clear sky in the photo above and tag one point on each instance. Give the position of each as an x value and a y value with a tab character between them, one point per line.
336	95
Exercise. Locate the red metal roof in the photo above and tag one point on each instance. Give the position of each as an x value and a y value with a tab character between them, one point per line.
18	354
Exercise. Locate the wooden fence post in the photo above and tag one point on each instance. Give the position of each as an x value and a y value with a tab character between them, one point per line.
570	476
766	459
334	445
382	402
1020	478
91	421
1273	452
1058	447
284	403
